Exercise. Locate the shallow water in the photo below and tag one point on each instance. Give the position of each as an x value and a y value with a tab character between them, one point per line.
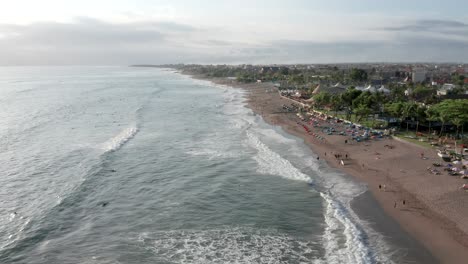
142	165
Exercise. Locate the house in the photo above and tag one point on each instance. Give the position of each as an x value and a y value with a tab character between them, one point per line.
445	89
336	89
360	88
269	69
370	89
317	89
384	90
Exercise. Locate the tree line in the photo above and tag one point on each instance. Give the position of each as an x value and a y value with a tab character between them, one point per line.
362	104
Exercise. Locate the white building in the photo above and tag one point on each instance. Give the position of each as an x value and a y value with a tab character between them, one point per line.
371	89
384	90
446	88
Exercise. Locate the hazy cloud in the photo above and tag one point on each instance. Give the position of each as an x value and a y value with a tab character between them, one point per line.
91	41
85	32
430	25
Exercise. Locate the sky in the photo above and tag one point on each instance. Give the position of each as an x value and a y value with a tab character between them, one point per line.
123	32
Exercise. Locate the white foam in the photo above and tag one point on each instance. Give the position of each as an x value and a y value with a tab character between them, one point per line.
119	140
270	162
348	239
228	245
234	103
273	135
212	153
344	241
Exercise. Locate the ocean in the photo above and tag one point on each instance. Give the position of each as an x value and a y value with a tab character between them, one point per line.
145	165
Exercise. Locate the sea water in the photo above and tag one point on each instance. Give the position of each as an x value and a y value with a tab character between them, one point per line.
144	165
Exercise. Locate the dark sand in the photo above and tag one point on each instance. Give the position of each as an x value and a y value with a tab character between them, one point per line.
409	249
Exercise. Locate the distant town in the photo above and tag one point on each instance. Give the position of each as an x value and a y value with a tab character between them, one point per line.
430	98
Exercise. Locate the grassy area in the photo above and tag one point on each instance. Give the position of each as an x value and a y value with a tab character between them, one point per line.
410	136
364	122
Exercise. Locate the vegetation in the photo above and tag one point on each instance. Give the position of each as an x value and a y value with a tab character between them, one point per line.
358	75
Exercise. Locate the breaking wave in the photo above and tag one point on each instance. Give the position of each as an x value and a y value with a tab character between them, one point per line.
119	140
270	162
229	245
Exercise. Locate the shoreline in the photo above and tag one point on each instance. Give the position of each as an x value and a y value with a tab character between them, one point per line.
409	249
435	221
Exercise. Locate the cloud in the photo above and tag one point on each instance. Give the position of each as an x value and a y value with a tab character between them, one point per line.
85	32
90	41
430	25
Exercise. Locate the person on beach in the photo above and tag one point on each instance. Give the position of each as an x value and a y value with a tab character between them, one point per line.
394	206
404	202
380	187
384	188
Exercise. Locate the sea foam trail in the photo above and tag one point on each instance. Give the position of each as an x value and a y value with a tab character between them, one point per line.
270	162
344	241
119	140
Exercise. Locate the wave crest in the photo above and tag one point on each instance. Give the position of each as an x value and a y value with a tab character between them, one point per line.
119	140
228	245
270	162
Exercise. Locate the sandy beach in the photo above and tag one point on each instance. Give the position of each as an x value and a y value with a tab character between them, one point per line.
431	208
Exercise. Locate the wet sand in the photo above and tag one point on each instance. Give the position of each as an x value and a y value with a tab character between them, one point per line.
409	250
435	211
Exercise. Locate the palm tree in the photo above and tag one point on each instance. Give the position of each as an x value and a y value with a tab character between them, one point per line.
408	110
432	115
457	122
443	118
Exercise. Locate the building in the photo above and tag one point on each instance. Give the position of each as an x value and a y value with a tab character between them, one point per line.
335	89
418	76
445	89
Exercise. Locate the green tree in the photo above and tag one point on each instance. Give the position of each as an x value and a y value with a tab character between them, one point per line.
358	75
431	115
422	92
336	103
347	99
321	99
408	110
361	111
394	109
458	79
397	92
454	111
